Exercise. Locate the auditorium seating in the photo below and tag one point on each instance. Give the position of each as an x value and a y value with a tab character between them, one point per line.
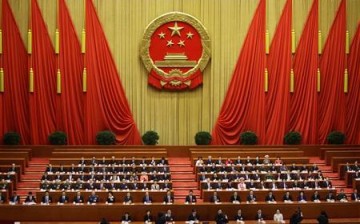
323	150
206	211
348	153
75	213
336	161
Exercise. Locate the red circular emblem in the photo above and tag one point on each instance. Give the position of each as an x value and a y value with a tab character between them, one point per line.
175	50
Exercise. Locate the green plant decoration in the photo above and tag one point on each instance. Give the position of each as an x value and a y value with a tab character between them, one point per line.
203	138
150	138
292	138
58	138
105	138
11	138
336	137
248	138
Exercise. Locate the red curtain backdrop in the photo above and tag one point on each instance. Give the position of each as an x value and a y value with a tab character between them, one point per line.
70	114
332	65
353	97
303	102
106	106
14	61
279	67
244	105
42	60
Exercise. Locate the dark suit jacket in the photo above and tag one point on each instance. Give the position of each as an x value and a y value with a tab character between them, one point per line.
259	216
341	196
169	218
355	196
79	199
63	200
128	219
213	200
238	217
15	199
110	200
128	199
193	199
149	200
248	198
331	197
233	198
148	218
269	198
93	199
315	197
193	217
322	219
43	200
2	198
221	219
301	198
287	198
28	199
166	199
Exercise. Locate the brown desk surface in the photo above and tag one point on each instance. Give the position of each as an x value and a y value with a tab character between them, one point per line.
157	196
261	194
356	184
206	211
304	221
349	178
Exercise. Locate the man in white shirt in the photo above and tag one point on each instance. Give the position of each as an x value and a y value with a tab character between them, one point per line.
278	217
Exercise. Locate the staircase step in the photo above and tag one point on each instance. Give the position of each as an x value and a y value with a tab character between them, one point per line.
181	169
177	161
28	184
184	184
183	177
40	160
35	169
331	175
185	192
325	168
32	176
316	160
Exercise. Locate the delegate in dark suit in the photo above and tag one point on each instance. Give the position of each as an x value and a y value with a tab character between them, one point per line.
190	199
2	198
235	198
193	217
15	199
221	218
168	199
46	199
79	199
63	199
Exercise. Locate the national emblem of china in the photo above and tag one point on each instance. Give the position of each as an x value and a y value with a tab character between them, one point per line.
175	50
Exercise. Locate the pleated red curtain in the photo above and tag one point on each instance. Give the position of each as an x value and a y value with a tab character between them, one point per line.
332	101
353	97
70	108
106	106
244	105
15	115
303	102
279	67
43	62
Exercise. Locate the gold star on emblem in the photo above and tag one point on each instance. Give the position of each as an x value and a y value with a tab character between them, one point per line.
189	35
169	43
181	43
175	29
162	35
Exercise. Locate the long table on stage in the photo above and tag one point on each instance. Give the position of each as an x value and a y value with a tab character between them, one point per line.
206	211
